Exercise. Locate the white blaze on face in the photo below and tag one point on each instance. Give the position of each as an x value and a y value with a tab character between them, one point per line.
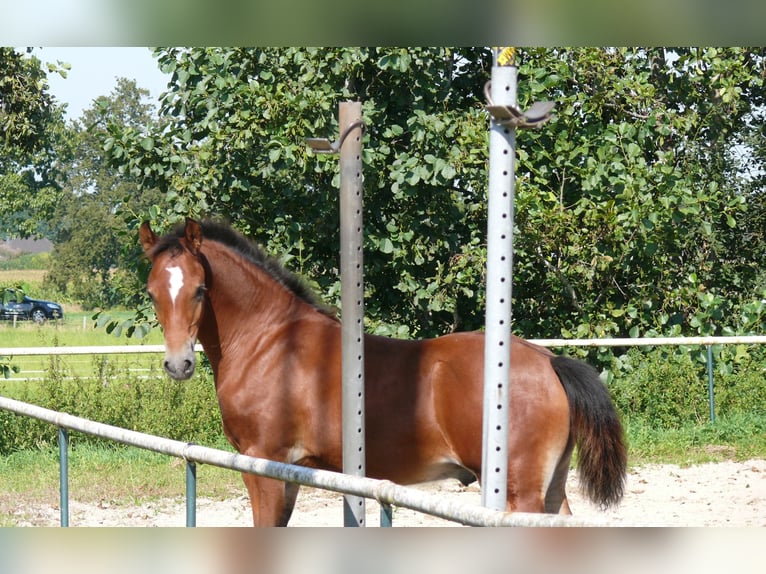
176	282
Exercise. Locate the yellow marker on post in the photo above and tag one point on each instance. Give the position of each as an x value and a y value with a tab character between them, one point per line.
506	56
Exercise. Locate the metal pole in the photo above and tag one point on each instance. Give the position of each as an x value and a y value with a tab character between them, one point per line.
502	153
64	475
352	305
711	398
386	515
191	494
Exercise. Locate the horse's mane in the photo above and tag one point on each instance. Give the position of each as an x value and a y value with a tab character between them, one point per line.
252	252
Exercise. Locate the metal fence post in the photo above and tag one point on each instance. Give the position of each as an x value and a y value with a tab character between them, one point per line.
505	118
191	494
64	475
502	151
711	397
349	144
352	306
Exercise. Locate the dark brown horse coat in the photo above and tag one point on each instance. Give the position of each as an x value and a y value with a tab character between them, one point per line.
276	358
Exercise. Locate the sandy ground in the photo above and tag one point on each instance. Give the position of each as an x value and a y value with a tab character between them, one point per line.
718	494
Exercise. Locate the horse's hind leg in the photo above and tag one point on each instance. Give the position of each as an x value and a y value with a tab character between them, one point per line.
537	474
272	501
556	496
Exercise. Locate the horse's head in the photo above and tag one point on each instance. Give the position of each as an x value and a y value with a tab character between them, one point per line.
177	287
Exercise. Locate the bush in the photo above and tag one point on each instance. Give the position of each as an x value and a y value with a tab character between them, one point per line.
186	411
663	388
740	380
668	387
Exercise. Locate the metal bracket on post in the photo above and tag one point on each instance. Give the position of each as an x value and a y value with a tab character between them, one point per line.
505	118
352	297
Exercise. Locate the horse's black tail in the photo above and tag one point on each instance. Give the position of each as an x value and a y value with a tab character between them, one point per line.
602	456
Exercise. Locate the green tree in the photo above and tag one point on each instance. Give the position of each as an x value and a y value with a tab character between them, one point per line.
628	215
31	125
233	142
627	208
94	259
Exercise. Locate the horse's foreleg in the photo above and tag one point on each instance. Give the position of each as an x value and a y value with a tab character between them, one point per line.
272	500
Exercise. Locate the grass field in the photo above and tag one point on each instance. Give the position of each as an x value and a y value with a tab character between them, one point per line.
30	276
76	330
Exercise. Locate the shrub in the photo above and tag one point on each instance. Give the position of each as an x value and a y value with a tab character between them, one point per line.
663	388
186	411
668	387
740	380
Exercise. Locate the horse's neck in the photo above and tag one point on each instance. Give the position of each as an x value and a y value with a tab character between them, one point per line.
244	301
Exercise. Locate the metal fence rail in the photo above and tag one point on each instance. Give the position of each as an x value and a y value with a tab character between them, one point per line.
95	350
652	341
384	491
618	342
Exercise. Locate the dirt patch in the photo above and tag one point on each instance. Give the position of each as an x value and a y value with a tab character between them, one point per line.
716	494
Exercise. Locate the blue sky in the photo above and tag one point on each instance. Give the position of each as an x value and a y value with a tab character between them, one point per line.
95	71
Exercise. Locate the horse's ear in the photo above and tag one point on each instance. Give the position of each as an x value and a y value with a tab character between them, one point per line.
147	236
193	236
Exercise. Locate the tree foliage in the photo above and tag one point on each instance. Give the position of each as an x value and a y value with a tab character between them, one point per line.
632	213
31	124
93	258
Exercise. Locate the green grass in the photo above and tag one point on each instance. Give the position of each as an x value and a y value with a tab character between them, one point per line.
72	332
730	437
114	474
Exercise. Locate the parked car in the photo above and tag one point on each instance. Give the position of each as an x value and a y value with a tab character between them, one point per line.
25	307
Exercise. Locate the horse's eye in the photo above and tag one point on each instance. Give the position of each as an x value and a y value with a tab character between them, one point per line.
150	296
200	292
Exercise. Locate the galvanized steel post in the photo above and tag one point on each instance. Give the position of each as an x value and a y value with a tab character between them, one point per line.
64	475
506	117
711	396
349	144
502	153
352	304
191	494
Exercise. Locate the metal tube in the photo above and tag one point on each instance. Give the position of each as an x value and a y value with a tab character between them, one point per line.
711	397
191	494
502	152
386	515
616	342
64	475
352	307
97	350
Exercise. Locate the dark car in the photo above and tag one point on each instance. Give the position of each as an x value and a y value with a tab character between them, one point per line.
27	308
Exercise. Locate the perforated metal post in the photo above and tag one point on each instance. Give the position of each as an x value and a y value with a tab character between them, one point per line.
505	118
349	144
502	143
711	396
352	304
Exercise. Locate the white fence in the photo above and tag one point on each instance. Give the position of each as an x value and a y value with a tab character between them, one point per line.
624	342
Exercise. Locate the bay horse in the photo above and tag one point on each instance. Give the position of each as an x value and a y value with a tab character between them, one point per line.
275	352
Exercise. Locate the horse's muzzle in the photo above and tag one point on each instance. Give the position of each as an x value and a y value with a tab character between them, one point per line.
181	366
